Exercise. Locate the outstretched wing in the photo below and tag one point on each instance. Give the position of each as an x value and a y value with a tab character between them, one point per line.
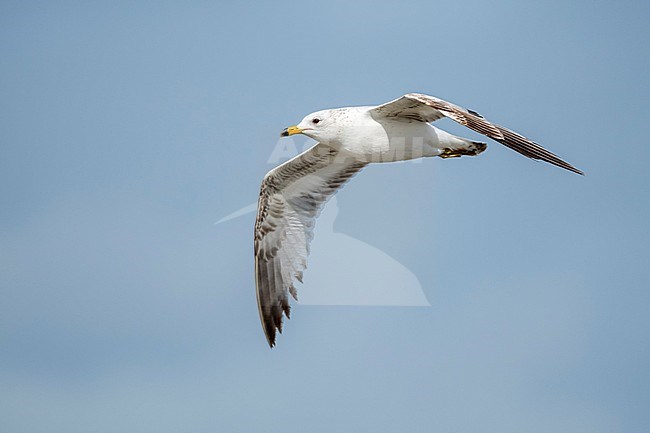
425	108
291	198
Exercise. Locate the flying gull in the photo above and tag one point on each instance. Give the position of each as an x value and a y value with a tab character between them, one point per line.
350	138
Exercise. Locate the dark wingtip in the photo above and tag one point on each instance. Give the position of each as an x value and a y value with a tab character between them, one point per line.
569	167
268	325
270	338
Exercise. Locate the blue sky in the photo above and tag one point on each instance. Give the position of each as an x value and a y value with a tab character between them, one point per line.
128	129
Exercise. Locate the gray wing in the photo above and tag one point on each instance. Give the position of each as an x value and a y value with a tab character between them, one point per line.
425	108
291	198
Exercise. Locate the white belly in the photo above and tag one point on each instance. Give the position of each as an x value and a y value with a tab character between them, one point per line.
392	140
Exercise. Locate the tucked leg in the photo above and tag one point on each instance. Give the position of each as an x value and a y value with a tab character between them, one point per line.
468	148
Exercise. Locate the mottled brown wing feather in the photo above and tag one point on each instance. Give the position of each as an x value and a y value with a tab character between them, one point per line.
429	108
291	197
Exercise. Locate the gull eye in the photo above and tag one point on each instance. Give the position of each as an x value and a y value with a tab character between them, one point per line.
315	120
